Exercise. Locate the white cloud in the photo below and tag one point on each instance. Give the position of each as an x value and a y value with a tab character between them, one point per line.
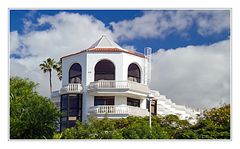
14	41
215	23
29	68
69	33
129	47
162	23
197	76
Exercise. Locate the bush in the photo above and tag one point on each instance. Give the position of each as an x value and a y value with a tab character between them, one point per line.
214	124
31	115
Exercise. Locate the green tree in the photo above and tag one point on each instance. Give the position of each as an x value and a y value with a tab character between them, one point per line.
31	115
47	66
94	129
58	68
214	124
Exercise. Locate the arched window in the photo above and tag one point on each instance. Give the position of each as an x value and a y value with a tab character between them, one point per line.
104	70
75	73
134	73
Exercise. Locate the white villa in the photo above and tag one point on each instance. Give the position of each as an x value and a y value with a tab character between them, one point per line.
106	80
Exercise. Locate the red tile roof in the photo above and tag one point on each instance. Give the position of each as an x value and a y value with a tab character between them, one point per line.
105	50
108	50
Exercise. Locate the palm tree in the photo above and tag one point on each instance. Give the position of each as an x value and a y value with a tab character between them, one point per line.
47	66
58	68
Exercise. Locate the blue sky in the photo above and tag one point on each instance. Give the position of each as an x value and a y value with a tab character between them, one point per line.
191	48
173	40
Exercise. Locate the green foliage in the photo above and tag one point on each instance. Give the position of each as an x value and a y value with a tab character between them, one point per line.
139	129
47	66
31	115
214	124
58	68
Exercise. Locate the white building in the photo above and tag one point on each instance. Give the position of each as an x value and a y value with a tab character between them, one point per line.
106	80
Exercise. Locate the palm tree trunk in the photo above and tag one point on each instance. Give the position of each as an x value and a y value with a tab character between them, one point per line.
50	79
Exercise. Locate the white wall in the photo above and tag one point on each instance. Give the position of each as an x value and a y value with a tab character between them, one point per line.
68	62
127	60
143	103
120	100
88	60
121	62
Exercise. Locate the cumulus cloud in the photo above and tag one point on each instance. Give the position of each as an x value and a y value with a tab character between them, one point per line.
216	22
129	47
29	68
14	41
197	76
68	33
162	23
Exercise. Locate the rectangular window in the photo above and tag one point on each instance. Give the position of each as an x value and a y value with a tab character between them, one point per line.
133	102
64	102
73	101
71	109
103	100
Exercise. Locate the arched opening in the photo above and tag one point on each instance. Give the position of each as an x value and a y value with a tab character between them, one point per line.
134	73
104	70
75	73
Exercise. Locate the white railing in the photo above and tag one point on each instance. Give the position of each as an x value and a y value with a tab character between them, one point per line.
71	88
118	109
112	84
155	93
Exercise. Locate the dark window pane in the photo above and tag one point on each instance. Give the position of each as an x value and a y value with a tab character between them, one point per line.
103	100
64	119
104	70
73	101
72	105
64	102
134	73
133	102
75	73
73	112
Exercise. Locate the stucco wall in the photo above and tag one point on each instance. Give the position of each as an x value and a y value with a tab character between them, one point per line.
88	60
68	62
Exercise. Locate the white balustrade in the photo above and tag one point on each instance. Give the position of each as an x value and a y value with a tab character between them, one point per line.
112	84
118	109
71	88
155	93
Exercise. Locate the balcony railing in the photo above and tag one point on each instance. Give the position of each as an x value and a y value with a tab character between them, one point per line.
118	110
155	93
112	84
71	88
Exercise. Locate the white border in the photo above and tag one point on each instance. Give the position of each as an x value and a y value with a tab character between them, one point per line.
116	4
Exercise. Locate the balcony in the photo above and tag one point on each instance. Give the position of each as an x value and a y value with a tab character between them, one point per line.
116	111
71	88
118	87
